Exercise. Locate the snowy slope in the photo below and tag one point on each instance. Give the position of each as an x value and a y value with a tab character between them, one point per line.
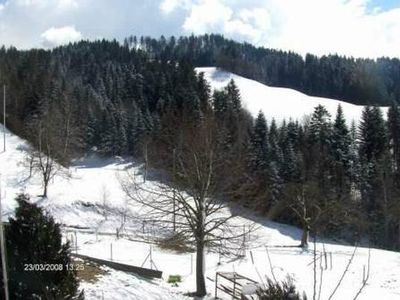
278	103
77	202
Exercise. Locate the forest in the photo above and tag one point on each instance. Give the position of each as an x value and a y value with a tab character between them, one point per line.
143	99
355	80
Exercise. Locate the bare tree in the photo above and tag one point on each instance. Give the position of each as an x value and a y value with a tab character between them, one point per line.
42	159
194	200
303	200
49	154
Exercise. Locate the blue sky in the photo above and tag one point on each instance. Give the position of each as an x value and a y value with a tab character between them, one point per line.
385	4
367	28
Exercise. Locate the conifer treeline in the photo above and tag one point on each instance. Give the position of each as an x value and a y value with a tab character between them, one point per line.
356	80
119	100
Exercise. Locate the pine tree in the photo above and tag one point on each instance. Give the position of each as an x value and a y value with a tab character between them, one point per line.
258	156
340	147
317	160
394	138
372	134
294	133
372	148
34	238
354	158
220	104
275	183
275	152
320	127
341	139
204	92
234	98
290	167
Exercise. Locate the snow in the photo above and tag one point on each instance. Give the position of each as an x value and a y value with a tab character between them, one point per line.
120	285
78	203
275	102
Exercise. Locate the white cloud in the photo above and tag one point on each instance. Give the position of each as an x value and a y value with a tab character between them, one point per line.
167	6
348	27
22	22
61	4
207	16
60	36
67	4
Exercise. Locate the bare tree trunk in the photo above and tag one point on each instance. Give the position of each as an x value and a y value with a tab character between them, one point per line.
45	184
315	268
145	160
305	237
200	278
306	225
45	191
398	235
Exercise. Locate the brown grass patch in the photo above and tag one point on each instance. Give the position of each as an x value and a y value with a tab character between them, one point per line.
88	271
177	242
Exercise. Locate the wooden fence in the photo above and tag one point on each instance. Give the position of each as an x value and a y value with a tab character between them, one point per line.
122	267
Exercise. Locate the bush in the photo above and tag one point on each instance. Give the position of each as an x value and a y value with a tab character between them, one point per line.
39	264
279	291
174	278
176	242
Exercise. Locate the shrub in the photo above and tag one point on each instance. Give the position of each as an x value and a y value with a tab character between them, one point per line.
174	278
176	242
279	291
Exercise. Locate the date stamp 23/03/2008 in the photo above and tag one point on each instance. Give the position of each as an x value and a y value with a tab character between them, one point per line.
53	267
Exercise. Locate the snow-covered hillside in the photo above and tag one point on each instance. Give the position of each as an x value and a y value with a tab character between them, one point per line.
79	201
278	103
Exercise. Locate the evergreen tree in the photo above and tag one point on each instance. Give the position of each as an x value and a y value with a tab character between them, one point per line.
204	92
353	152
275	183
290	167
340	147
275	153
33	238
258	156
394	138
341	139
372	134
320	127
220	104
234	98
317	160
372	148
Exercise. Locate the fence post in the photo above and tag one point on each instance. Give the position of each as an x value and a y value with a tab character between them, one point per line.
191	263
76	243
111	252
219	255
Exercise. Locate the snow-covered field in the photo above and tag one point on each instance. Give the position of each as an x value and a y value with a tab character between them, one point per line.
278	103
120	285
90	200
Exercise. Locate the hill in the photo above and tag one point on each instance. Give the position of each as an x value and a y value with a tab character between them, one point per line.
278	103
